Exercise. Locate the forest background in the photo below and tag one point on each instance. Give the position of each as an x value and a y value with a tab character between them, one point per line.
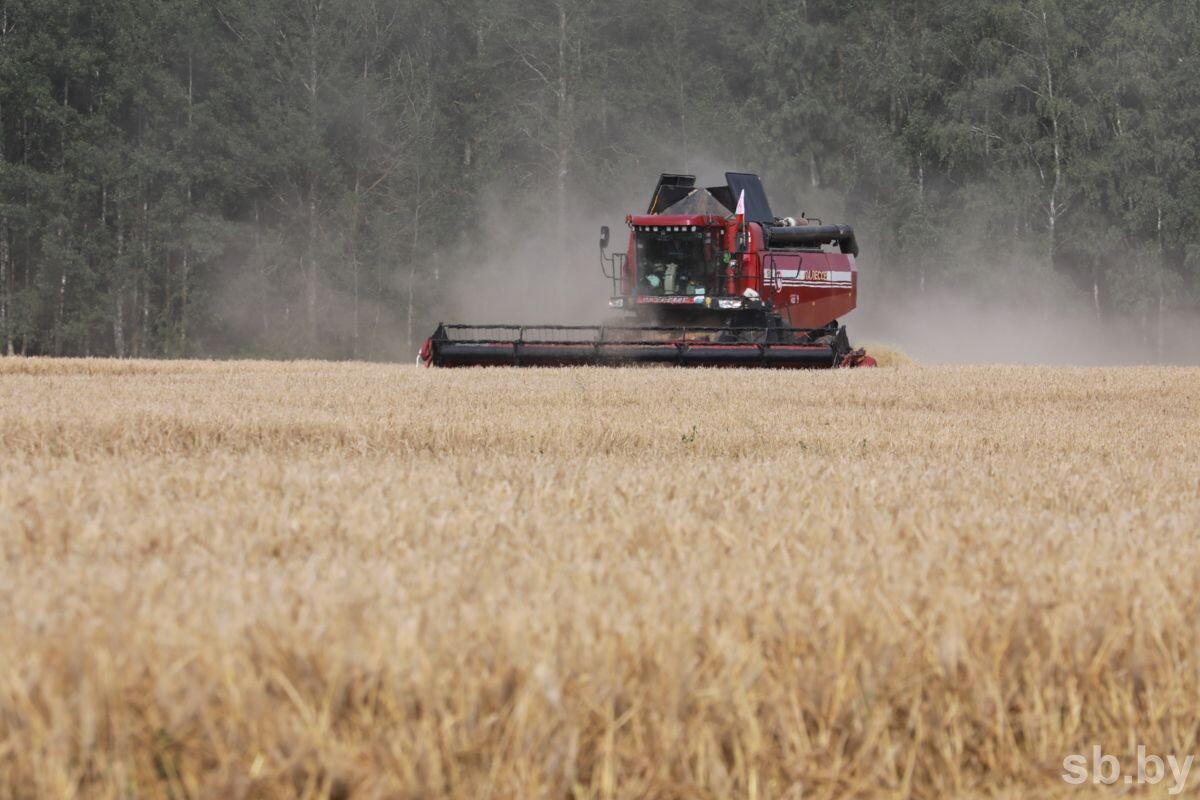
329	178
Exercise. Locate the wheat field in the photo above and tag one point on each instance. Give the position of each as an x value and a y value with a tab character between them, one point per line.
224	580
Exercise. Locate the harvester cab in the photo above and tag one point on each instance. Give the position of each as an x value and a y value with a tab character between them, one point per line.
709	277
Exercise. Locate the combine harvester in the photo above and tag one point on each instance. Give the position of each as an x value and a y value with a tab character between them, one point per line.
711	278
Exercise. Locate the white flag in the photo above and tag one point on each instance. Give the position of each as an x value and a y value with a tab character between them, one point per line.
741	209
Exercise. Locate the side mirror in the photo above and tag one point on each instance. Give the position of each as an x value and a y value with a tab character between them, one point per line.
604	235
742	242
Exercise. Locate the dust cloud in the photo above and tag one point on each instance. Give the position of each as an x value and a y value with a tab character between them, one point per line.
960	327
529	262
526	264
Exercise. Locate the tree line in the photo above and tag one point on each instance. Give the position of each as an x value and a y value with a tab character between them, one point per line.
289	177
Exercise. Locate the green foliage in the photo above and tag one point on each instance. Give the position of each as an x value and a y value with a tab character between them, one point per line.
284	177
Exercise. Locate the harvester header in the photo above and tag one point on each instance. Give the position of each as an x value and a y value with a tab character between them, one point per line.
709	277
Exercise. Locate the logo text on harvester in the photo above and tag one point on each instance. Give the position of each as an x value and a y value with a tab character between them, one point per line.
1106	768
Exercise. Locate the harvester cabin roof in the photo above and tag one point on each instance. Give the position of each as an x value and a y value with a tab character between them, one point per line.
674	220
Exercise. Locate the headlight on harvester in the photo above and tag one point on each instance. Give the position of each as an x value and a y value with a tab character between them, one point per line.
730	304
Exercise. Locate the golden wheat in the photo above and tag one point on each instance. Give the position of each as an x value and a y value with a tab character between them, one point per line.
277	580
887	355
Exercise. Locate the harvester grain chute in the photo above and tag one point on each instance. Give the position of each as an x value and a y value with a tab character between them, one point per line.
710	278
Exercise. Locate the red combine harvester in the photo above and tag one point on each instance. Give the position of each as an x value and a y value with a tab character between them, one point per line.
711	278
